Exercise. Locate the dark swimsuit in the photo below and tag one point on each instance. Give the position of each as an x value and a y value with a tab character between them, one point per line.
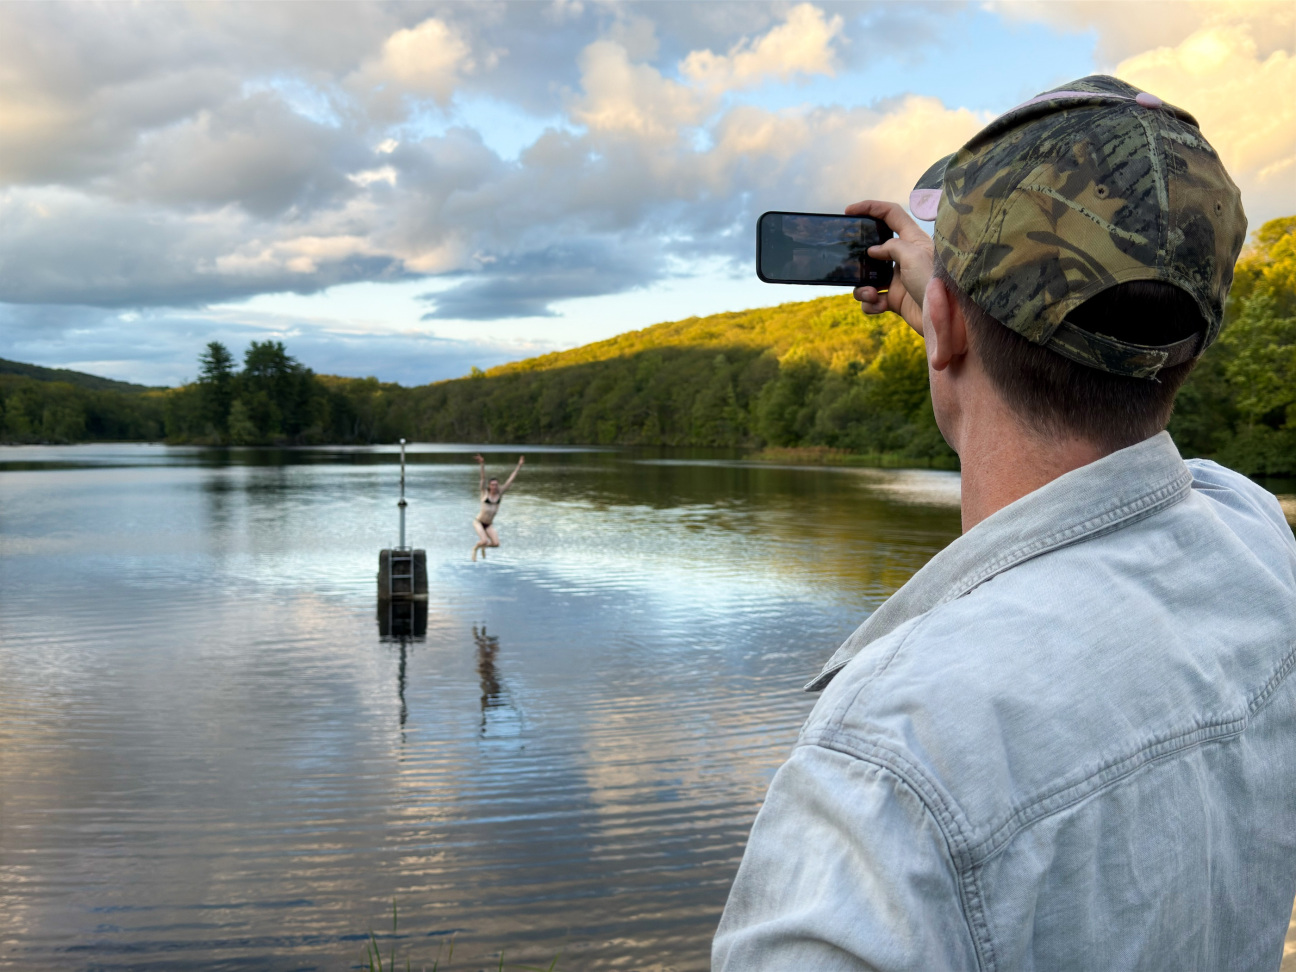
487	501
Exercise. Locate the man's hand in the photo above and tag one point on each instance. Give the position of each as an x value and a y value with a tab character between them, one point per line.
910	249
521	459
480	460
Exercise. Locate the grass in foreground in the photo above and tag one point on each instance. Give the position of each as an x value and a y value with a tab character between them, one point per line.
374	962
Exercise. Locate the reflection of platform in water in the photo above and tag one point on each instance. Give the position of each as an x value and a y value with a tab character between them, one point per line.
401	619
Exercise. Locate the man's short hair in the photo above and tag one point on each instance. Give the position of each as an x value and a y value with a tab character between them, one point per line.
1057	397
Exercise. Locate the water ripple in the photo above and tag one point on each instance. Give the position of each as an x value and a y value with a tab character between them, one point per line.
211	759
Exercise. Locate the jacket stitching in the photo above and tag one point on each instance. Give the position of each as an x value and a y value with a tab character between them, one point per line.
1265	694
947	818
1103	778
1148	504
1118	518
1114	772
915	780
850	745
965	855
971	880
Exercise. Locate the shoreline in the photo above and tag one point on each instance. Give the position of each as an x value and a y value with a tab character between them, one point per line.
826	456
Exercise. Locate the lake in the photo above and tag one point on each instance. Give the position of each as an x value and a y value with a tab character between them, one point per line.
212	756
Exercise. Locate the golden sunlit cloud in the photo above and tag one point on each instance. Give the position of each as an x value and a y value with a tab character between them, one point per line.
1129	28
1246	105
631	99
832	156
803	44
428	60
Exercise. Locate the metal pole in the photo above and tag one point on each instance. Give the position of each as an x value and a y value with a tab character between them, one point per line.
401	504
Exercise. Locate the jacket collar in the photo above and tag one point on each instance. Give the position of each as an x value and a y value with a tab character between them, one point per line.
1104	496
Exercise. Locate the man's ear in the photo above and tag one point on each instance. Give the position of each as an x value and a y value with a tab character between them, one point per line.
945	329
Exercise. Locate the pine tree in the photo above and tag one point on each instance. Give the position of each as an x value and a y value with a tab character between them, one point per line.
216	384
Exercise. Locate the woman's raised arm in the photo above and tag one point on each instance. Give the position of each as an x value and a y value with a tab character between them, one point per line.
512	476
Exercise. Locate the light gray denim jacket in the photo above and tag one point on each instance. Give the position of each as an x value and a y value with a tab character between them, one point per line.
1069	742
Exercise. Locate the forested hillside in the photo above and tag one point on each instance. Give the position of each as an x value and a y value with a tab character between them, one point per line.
40	410
1239	405
813	373
816	372
57	405
77	378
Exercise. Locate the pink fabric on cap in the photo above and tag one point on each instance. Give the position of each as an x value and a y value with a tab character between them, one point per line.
923	203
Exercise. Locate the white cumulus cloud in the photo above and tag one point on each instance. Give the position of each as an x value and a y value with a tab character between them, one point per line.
804	44
634	99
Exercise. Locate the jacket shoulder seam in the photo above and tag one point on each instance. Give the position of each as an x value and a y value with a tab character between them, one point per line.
878	670
944	813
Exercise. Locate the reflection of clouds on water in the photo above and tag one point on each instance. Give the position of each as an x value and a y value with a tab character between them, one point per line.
926	487
648	626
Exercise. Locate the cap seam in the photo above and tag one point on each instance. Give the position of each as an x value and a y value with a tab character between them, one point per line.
1192	141
1163	194
995	224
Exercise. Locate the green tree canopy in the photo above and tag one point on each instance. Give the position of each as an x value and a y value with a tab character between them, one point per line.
216	382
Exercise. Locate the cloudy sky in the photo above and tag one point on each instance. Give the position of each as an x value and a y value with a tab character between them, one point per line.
408	190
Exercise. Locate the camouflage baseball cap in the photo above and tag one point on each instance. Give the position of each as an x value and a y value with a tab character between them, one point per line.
1084	187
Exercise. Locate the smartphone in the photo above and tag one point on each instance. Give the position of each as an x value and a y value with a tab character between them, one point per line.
815	248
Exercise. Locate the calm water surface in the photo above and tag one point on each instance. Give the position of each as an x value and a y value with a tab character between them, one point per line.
210	756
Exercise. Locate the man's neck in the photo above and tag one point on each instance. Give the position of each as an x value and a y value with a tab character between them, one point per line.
1003	461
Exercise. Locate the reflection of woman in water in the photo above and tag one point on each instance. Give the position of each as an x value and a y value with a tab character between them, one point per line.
491	494
499	718
487	649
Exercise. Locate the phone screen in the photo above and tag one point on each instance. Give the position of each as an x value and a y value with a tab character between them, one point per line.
809	248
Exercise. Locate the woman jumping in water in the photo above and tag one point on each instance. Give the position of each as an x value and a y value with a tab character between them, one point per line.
491	494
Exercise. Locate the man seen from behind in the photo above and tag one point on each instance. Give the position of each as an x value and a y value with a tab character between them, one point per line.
1069	741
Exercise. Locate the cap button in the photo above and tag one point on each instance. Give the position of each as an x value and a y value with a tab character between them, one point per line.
1148	100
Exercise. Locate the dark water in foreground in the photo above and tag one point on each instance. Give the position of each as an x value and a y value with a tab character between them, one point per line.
210	758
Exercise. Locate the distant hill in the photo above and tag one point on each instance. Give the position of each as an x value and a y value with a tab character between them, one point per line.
815	373
55	405
830	331
78	378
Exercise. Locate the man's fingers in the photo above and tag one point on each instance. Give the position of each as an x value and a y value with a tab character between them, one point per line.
895	250
870	300
893	214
